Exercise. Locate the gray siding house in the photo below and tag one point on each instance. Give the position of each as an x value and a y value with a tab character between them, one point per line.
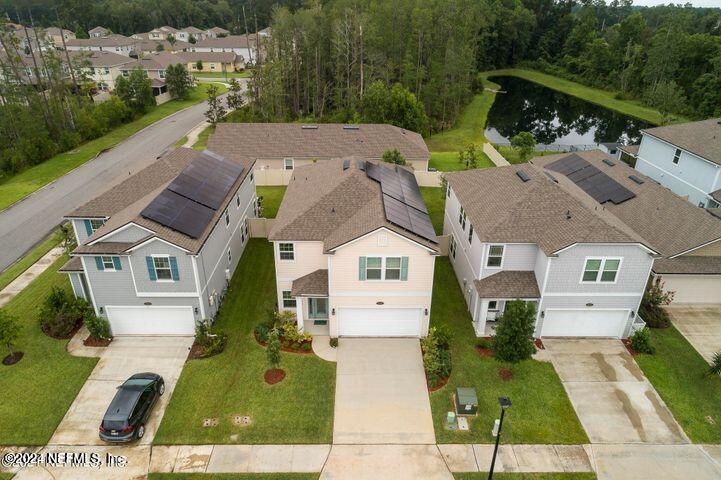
154	261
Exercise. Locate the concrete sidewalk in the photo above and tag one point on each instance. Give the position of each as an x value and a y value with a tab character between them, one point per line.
24	279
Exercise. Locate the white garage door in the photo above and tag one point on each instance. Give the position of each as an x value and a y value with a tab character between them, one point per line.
151	320
584	323
694	288
379	322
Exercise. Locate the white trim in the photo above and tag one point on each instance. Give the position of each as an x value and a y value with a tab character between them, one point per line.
695	248
194	263
168	294
645	132
666	172
285	260
590	294
132	275
292	163
488	256
88	282
118	230
601	267
629	244
387	230
384	266
379	293
153	239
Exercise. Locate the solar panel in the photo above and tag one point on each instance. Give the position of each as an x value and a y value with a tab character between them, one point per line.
397	212
179	213
591	180
207	179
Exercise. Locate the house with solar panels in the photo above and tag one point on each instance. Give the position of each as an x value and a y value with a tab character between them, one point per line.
156	252
355	250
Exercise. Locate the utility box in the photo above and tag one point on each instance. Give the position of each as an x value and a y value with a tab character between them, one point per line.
466	401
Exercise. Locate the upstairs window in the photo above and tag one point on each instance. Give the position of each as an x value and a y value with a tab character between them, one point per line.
495	256
108	263
162	268
470	234
677	156
600	270
373	268
462	219
288	163
286	251
452	246
96	223
393	268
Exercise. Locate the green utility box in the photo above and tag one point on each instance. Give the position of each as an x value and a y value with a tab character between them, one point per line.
466	401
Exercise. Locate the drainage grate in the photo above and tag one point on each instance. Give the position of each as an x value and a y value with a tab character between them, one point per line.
210	422
241	420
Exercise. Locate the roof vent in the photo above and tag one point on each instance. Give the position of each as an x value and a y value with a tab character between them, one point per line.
523	176
361	164
346	164
608	162
351	127
551	177
636	179
568	214
309	127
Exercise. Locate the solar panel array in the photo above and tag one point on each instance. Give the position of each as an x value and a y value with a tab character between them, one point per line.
188	204
591	180
402	200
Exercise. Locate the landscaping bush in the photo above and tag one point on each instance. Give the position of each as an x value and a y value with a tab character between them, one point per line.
654	299
61	313
484	344
641	341
210	342
436	355
393	156
513	341
98	327
9	334
715	367
272	353
262	332
333	342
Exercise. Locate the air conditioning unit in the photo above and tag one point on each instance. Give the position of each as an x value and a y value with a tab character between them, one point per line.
227	274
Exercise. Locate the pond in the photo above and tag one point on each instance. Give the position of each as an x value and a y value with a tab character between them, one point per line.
557	120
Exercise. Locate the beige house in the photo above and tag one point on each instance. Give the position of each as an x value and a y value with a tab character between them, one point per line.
212	61
111	43
103	68
355	250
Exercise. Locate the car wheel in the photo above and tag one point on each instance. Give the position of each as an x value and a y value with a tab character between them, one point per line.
140	432
161	390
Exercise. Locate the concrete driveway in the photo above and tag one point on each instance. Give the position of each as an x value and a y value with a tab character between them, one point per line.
701	325
124	357
613	399
381	395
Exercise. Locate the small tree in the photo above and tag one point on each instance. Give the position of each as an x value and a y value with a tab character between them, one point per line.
67	238
654	299
171	39
394	156
525	144
136	90
216	111
667	97
199	65
9	331
272	352
191	39
470	156
513	341
235	96
178	81
159	47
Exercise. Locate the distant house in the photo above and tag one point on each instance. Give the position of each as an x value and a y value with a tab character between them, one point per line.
112	43
98	32
154	65
56	35
144	47
345	260
242	45
103	68
216	32
211	61
154	273
685	158
186	33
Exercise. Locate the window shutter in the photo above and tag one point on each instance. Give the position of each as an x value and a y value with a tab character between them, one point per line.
99	263
88	227
174	269
117	264
151	268
404	268
361	268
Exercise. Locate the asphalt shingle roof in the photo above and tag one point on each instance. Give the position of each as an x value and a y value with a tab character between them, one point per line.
508	284
313	284
700	138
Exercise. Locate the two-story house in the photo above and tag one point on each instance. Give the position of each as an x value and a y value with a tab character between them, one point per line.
244	46
355	250
103	68
156	252
110	43
685	158
98	32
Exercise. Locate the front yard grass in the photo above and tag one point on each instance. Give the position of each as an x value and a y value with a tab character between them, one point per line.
435	198
526	476
541	411
272	196
27	260
677	372
514	157
221	75
448	161
232	476
36	393
297	410
16	187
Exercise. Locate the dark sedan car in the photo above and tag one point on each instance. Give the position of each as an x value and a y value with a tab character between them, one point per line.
124	421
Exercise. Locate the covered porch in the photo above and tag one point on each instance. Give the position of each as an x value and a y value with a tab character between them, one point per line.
311	302
492	294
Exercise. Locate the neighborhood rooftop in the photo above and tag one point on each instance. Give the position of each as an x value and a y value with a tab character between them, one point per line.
700	138
229	41
329	140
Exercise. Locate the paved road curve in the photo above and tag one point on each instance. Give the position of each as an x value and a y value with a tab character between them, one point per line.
27	222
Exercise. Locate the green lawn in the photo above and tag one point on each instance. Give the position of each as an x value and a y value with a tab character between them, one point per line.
202	142
435	199
272	196
513	156
448	161
16	187
233	476
541	411
221	74
526	476
297	410
604	98
36	393
14	270
677	371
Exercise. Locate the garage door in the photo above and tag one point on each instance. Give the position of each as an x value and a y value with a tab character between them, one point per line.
151	320
694	288
379	322
584	323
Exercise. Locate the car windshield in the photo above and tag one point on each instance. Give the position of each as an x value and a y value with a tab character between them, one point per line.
137	382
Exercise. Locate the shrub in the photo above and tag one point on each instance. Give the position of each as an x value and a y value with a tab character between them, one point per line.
273	351
477	84
333	342
61	313
211	342
484	343
513	341
715	367
262	331
98	327
393	156
641	341
654	299
436	355
9	331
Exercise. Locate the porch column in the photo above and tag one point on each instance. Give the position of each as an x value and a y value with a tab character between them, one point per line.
481	318
299	313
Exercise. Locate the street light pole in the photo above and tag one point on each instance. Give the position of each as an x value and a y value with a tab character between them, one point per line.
505	402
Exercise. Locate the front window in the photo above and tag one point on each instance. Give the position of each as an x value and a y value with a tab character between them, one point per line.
677	156
495	256
288	163
288	300
212	66
373	268
393	268
161	73
108	263
162	268
286	251
493	305
600	270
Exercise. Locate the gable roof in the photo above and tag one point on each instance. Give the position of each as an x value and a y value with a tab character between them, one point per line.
113	40
191	30
700	138
220	57
98	29
100	58
229	41
326	140
326	203
155	61
218	30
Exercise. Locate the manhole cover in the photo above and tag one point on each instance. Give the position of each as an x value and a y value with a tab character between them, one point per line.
241	420
210	422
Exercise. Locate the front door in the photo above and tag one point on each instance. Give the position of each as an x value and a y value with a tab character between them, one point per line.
318	310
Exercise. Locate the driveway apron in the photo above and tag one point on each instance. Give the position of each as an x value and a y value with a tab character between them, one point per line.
701	325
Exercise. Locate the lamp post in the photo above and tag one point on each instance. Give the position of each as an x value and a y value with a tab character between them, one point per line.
505	402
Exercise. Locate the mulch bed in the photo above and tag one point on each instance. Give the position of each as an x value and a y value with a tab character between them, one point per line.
439	384
13	359
484	352
97	342
197	352
65	337
505	374
286	347
538	343
627	344
274	375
